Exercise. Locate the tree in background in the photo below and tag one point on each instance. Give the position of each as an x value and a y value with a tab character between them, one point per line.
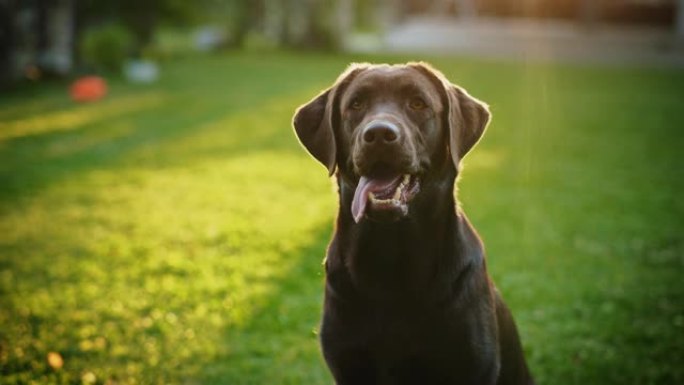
7	43
141	17
289	23
679	28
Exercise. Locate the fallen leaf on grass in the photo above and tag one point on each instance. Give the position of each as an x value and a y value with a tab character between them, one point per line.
55	360
88	378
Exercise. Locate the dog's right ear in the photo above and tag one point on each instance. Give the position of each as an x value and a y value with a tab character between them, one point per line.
314	122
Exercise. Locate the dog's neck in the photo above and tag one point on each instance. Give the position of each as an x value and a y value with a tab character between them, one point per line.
415	257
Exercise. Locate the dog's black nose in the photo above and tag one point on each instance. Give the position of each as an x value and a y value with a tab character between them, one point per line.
380	133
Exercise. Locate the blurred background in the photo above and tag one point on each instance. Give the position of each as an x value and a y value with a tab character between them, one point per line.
160	224
60	37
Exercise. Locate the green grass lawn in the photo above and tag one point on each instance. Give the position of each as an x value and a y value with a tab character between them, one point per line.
174	233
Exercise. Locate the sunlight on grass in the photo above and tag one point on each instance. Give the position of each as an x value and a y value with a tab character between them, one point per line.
482	159
153	261
177	255
78	116
248	130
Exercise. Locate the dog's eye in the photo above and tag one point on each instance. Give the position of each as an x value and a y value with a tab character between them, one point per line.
356	104
417	103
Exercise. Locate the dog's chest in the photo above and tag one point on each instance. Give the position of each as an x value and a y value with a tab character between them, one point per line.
397	334
423	344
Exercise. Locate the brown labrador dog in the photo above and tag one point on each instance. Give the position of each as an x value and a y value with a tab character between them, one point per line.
407	298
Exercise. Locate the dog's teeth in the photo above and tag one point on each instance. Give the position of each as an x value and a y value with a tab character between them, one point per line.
397	192
376	200
407	178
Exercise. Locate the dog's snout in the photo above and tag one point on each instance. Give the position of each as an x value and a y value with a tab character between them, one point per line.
380	133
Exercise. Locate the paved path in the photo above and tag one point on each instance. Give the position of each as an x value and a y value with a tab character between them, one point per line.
528	40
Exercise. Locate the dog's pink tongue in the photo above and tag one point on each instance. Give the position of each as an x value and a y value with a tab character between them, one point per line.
365	186
360	198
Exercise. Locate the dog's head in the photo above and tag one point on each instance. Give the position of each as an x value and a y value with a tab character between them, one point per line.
388	130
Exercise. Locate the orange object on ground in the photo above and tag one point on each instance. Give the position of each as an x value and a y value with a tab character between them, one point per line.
88	89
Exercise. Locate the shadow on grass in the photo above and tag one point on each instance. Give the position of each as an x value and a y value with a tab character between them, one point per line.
278	343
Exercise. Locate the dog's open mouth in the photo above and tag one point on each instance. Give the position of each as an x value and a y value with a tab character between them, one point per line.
384	198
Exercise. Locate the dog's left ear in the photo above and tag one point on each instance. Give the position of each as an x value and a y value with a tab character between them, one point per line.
466	116
468	119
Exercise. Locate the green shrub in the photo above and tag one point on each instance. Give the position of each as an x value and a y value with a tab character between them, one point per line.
107	47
